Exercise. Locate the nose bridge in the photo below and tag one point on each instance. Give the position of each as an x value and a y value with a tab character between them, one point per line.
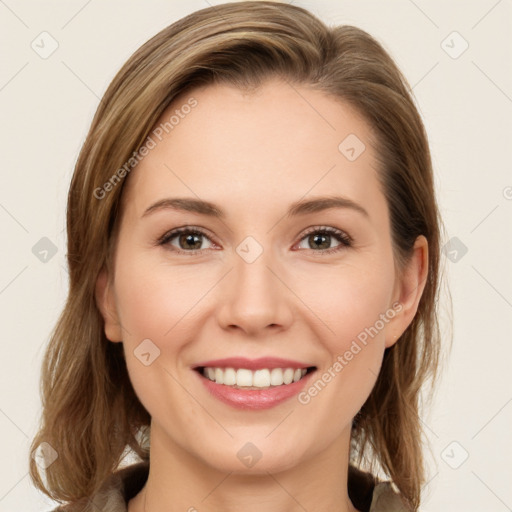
252	272
253	297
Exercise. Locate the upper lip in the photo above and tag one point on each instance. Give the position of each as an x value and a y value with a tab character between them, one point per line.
252	364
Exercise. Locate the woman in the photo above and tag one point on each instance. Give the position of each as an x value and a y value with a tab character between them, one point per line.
253	249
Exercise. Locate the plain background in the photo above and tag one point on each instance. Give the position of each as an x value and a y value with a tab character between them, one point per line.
465	98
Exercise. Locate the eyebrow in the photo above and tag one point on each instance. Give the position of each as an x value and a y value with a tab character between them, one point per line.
298	208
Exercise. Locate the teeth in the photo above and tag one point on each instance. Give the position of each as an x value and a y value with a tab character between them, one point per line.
229	377
288	375
244	378
276	377
219	376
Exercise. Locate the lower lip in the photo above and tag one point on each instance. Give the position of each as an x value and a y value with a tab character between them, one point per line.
255	399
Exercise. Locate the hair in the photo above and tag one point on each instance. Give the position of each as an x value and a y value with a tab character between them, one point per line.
90	413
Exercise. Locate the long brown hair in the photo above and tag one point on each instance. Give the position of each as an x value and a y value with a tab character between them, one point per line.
91	414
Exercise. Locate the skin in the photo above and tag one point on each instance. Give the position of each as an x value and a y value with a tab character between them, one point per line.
253	155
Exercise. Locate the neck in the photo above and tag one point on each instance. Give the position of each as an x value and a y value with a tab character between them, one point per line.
179	481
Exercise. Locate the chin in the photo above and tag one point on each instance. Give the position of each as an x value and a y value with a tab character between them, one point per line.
241	455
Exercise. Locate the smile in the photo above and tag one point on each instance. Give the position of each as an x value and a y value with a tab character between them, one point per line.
243	378
253	383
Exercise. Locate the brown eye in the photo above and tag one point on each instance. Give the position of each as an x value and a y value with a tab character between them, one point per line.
320	240
184	240
189	241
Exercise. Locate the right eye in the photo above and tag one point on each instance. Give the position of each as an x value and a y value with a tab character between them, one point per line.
188	240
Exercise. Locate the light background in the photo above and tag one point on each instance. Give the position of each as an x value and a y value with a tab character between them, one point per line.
466	103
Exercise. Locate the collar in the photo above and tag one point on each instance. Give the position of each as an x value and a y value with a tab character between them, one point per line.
365	491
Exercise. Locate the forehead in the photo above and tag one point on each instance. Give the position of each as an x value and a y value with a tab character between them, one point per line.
278	143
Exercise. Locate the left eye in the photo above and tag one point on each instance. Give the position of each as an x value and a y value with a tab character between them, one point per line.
191	240
322	238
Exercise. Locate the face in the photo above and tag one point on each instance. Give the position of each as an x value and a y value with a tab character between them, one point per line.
267	277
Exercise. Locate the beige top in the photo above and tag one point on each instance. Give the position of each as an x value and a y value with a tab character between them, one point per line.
366	494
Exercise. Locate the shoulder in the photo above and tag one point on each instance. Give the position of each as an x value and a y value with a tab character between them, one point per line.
365	491
368	494
385	499
114	494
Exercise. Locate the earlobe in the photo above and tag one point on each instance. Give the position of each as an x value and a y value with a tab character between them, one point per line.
409	290
106	303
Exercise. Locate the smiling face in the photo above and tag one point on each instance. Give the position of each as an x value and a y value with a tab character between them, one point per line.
256	273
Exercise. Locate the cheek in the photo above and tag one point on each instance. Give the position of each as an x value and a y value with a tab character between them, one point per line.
354	344
348	301
352	303
156	304
158	301
161	303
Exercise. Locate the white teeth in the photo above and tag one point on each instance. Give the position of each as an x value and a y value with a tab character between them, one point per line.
229	377
288	375
276	377
219	376
263	378
243	377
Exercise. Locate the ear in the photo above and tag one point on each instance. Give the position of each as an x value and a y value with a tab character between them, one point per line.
408	291
105	300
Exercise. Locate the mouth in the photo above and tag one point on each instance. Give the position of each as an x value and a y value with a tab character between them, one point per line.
245	378
253	383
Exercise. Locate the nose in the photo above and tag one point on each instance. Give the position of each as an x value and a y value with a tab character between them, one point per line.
254	298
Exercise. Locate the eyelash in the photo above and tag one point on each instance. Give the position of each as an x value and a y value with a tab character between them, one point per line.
344	239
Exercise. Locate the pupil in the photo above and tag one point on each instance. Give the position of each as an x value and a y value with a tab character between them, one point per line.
189	239
317	236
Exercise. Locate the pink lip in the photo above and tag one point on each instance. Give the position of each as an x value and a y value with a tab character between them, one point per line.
255	399
253	364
